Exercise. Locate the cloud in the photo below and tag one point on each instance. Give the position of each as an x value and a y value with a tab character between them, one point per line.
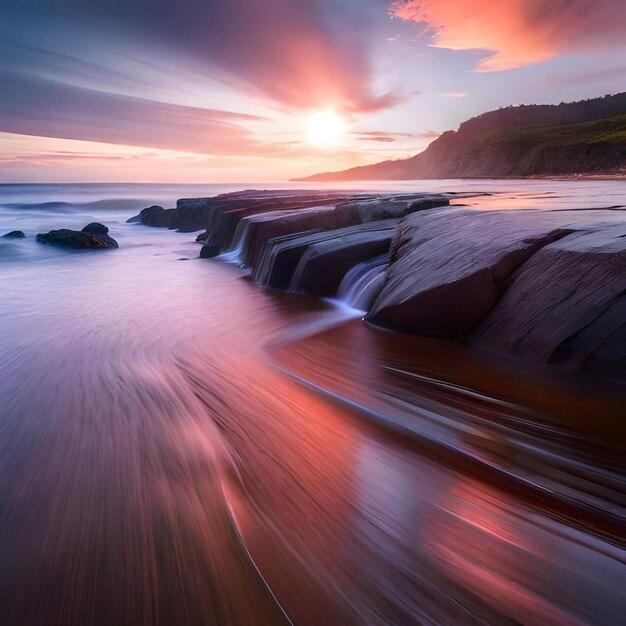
380	136
453	94
519	32
301	55
46	108
389	137
428	134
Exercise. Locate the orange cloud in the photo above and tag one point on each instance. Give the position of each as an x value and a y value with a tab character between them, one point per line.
519	32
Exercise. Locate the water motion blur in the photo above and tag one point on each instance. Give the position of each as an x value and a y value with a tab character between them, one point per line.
181	446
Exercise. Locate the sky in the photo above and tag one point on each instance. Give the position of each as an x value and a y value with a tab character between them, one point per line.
229	90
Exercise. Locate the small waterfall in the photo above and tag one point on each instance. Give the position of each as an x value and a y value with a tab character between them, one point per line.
236	253
362	282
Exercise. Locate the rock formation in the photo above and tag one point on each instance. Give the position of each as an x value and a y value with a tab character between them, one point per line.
14	234
546	285
567	305
316	263
93	235
448	267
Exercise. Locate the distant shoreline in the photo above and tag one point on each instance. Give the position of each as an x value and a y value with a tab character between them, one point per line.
556	177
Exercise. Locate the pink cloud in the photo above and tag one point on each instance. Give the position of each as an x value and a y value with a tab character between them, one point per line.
519	32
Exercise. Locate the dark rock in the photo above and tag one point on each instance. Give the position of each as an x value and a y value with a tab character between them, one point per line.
549	286
280	257
94	235
254	228
567	306
448	267
279	212
385	207
193	203
155	216
208	251
326	261
14	234
143	216
95	228
253	231
316	261
231	209
102	232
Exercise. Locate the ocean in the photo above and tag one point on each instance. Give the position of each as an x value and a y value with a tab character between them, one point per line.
166	455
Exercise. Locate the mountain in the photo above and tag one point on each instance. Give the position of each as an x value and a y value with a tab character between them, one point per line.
586	137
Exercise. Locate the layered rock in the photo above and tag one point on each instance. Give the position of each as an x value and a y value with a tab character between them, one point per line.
242	222
448	267
326	261
316	262
93	235
219	215
544	285
254	230
567	305
226	218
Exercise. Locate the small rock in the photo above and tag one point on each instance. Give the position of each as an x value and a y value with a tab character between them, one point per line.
94	235
95	228
208	251
15	234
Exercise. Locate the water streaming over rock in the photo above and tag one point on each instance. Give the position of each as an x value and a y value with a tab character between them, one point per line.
361	284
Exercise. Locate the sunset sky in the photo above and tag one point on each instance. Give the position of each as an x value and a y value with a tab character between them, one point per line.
228	90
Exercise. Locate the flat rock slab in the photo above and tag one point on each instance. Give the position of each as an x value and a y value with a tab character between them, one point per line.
448	266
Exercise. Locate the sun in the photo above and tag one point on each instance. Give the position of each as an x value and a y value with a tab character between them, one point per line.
325	129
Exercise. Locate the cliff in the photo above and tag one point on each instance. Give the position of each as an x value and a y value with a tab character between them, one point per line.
586	137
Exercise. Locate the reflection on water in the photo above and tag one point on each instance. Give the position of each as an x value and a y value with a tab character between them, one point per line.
156	466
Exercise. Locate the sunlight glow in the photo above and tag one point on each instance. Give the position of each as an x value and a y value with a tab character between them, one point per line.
325	129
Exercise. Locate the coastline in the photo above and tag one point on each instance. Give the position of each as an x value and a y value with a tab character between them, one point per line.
156	457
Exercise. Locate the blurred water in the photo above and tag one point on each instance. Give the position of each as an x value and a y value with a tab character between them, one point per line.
174	450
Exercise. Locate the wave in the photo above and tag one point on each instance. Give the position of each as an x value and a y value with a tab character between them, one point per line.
112	204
